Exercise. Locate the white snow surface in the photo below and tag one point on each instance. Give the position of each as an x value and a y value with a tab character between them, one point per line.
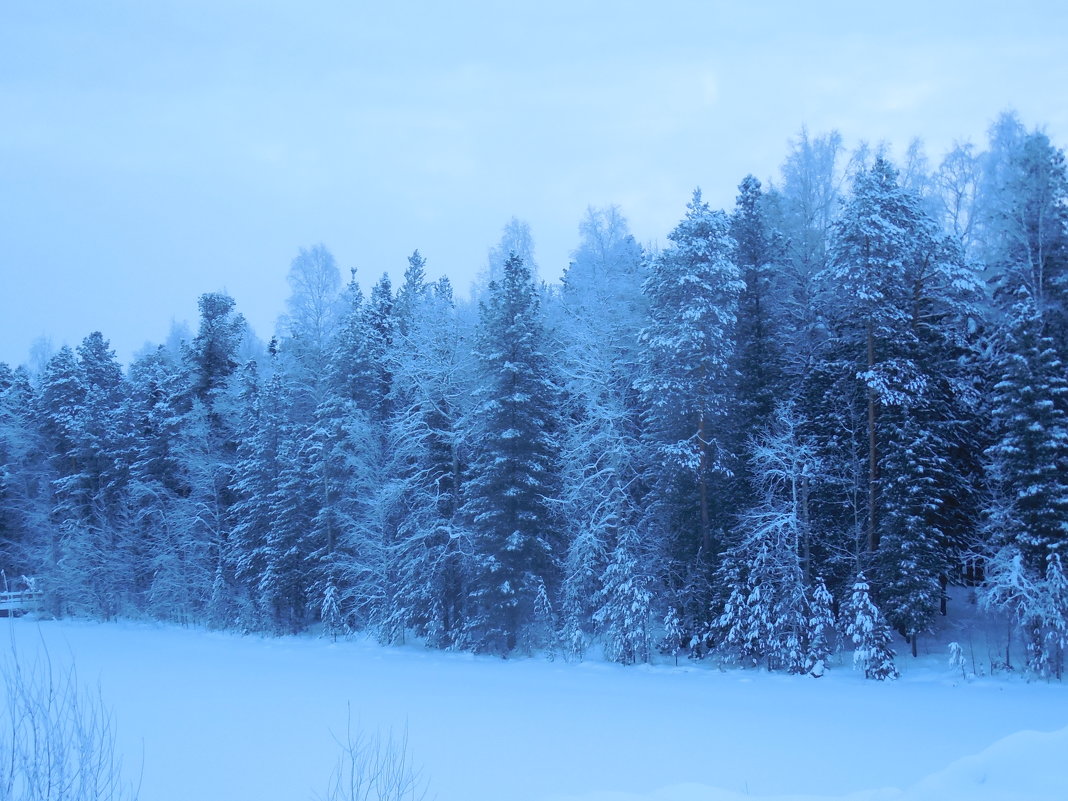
207	715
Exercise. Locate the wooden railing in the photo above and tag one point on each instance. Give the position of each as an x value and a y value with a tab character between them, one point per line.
20	602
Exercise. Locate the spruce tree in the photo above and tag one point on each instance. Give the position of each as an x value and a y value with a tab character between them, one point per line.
624	613
1028	462
758	253
865	625
821	628
512	478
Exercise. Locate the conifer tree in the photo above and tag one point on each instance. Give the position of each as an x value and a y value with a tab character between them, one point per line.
692	292
262	421
330	612
758	353
624	614
512	478
904	305
158	392
865	625
872	248
673	634
1028	464
821	628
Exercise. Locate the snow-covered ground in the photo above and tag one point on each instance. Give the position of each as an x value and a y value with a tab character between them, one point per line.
221	716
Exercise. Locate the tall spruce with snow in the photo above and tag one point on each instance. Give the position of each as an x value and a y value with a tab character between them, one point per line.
692	291
1028	461
380	329
930	464
759	253
1025	241
512	482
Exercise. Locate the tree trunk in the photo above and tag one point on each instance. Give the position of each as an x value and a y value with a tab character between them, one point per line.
702	487
873	464
806	534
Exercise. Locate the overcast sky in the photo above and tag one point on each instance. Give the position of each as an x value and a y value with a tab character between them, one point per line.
154	150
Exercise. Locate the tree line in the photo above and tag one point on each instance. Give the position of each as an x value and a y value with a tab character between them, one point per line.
800	421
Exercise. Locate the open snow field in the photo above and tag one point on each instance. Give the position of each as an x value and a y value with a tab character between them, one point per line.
232	718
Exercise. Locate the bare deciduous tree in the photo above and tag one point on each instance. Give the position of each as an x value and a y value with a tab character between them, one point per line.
57	741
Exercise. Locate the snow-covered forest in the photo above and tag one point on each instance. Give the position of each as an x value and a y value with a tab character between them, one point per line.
795	425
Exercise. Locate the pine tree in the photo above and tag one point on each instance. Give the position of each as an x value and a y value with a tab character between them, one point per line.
872	249
758	353
543	633
212	356
288	543
821	629
158	390
625	613
255	478
512	476
330	612
380	329
865	625
412	294
692	291
1028	462
673	634
206	450
59	400
81	405
911	559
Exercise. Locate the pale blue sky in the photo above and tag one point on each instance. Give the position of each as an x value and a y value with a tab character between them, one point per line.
151	151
